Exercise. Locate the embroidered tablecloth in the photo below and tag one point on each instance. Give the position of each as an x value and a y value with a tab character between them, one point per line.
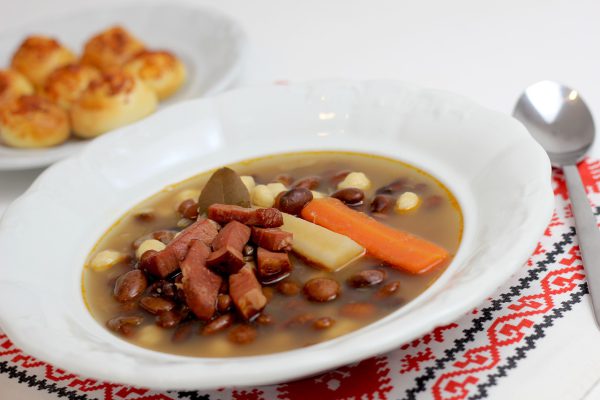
466	359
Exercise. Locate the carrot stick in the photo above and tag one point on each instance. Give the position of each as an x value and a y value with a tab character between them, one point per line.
399	249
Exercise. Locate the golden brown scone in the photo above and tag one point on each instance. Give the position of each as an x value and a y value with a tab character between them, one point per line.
38	56
32	121
116	99
66	84
13	85
111	48
160	70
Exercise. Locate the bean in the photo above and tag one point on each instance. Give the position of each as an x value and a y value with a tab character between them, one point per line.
368	277
339	176
294	304
169	319
188	209
388	289
433	202
128	307
264	319
396	186
421	187
309	182
323	323
223	302
145	216
294	200
164	289
288	288
221	323
350	196
382	203
242	334
155	305
300	320
358	310
124	324
164	236
130	285
182	333
286	179
321	289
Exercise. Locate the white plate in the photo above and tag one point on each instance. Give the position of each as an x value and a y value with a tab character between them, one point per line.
499	174
210	44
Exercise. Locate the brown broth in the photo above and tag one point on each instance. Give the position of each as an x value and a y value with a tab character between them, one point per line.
441	225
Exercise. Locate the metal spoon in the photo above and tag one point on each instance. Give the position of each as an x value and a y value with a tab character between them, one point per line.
557	117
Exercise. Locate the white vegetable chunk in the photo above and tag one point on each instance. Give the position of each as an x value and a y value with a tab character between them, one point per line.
355	180
150	244
262	196
106	259
276	188
321	246
408	201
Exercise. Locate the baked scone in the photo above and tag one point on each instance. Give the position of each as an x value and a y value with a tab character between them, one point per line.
33	121
111	48
38	56
13	85
116	99
160	70
66	84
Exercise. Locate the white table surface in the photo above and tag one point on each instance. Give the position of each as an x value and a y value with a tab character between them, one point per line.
488	51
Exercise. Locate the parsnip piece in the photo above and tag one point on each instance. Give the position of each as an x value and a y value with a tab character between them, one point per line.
325	248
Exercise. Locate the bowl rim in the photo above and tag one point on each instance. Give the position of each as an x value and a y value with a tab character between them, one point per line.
328	354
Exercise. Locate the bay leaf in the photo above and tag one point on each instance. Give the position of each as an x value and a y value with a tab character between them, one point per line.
224	187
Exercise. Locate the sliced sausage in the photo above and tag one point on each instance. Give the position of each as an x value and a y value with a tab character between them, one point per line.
272	267
163	263
263	217
234	234
200	284
246	293
226	260
273	239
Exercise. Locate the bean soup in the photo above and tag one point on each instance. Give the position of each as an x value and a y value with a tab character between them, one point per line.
272	254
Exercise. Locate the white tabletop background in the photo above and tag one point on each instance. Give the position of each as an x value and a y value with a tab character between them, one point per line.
486	50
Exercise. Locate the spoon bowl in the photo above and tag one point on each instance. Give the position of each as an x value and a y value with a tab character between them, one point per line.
558	118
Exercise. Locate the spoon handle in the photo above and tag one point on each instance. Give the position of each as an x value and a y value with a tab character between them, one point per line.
588	234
